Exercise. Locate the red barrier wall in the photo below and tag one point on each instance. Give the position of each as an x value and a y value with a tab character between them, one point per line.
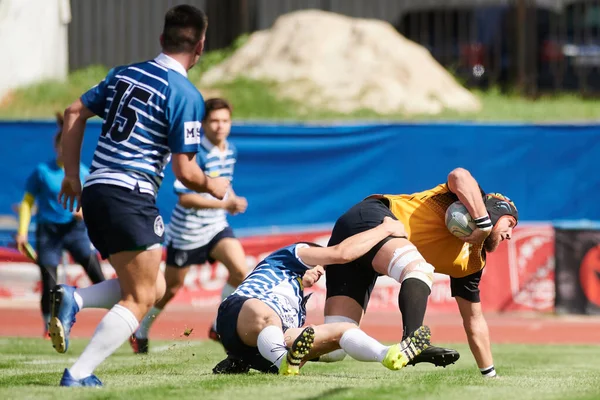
519	276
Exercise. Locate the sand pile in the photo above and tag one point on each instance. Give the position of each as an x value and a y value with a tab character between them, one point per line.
345	64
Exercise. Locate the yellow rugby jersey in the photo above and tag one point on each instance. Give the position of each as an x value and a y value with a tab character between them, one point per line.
423	215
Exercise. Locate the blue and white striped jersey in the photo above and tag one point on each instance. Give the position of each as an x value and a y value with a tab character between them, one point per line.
277	281
150	110
191	228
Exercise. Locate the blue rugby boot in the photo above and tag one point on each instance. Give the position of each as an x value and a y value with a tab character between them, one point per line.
64	307
90	381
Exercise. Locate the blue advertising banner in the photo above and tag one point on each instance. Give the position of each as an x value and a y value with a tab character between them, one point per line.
304	174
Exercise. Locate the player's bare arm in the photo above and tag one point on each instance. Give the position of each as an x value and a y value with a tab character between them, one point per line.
232	203
76	116
353	247
477	332
188	172
312	276
235	204
466	188
196	201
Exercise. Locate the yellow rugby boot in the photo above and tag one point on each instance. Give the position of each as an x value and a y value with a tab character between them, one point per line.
290	365
402	353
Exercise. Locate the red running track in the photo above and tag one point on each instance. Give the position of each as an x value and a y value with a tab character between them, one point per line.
446	328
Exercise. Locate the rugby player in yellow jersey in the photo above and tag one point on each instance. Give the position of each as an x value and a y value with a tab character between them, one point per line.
428	247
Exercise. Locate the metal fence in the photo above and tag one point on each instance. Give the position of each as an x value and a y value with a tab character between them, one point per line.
534	45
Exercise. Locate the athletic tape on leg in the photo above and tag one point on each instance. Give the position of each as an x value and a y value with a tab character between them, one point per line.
422	271
401	258
330	319
407	262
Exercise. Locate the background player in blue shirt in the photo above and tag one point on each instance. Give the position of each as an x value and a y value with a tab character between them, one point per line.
57	229
150	112
198	231
270	302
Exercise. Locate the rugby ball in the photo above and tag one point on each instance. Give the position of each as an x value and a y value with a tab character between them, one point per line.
458	220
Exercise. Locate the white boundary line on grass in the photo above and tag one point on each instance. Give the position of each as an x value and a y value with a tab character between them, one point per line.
177	345
52	361
158	349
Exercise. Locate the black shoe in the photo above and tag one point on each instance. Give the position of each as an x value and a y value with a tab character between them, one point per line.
231	365
139	346
214	335
437	356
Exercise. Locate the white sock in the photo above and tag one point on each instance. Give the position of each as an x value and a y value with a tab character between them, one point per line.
101	295
362	347
333	356
227	290
271	344
114	329
149	318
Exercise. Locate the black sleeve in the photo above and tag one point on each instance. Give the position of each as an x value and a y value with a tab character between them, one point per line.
466	287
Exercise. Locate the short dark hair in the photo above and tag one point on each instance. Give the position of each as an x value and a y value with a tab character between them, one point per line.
215	104
184	27
60	120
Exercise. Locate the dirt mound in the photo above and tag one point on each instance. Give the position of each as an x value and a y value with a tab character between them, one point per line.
345	64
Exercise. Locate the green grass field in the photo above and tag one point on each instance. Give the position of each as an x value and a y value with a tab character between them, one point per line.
255	100
30	369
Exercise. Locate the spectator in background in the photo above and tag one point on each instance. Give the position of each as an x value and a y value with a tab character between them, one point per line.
57	228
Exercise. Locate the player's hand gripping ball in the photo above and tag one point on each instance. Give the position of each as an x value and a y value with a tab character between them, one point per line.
458	220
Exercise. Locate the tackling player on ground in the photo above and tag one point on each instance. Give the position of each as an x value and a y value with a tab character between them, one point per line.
150	111
260	323
198	231
427	248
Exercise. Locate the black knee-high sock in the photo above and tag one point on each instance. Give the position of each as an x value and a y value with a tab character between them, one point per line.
48	282
412	301
93	269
